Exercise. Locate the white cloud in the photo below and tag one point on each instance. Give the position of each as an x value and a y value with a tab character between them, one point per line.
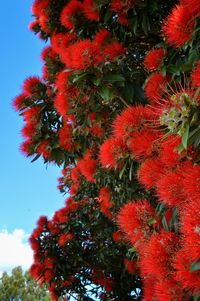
14	250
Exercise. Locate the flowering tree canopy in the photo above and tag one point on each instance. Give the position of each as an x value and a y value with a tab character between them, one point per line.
118	108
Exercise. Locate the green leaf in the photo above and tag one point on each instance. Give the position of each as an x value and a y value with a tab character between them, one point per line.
195	266
122	171
80	77
132	250
106	93
35	158
185	135
165	224
196	298
152	221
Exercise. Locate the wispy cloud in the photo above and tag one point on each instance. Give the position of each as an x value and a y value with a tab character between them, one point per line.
14	250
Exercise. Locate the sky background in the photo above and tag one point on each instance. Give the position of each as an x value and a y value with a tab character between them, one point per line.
27	190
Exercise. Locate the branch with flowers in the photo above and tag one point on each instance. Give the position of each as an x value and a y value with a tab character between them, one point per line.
117	108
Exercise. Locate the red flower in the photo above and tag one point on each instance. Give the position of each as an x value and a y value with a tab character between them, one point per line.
159	252
190	228
143	143
113	51
33	25
90	10
130	121
64	238
101	37
44	149
192	6
61	103
117	236
75	174
87	167
65	137
30	85
196	75
179	26
189	280
119	5
39	7
154	59
169	156
111	151
104	200
47	53
155	87
25	147
32	115
191	182
134	218
82	55
67	14
131	266
150	172
61	41
170	189
169	290
29	130
18	102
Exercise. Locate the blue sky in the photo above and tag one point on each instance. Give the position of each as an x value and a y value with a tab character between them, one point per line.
27	190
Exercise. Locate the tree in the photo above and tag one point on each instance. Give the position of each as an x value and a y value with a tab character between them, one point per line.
21	286
118	108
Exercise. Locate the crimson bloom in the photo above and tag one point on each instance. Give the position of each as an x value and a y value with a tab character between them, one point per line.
178	26
155	87
134	220
111	151
154	59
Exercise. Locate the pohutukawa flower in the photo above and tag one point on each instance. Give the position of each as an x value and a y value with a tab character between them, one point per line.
47	53
61	41
179	26
155	87
192	6
111	152
90	10
150	172
61	103
65	137
143	144
168	154
26	146
18	101
170	189
182	264
192	182
70	10
158	255
131	266
64	238
169	289
135	220
87	166
40	7
113	51
190	228
82	55
130	121
101	37
31	85
154	59
44	149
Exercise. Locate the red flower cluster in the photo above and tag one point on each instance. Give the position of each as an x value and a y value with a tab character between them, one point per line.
179	26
